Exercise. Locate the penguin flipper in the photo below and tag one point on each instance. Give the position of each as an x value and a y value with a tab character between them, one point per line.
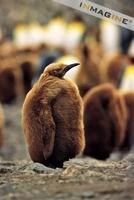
48	127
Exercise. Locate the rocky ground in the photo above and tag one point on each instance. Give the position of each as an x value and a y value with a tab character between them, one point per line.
81	178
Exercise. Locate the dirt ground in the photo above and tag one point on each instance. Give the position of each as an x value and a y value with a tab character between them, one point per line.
81	178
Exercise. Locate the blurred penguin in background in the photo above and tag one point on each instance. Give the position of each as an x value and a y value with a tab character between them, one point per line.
56	31
74	34
1	126
105	121
88	75
11	83
109	36
113	67
128	142
126	38
27	73
52	118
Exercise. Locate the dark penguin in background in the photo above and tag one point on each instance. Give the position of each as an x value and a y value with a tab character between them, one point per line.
11	84
1	125
128	142
28	74
105	118
53	118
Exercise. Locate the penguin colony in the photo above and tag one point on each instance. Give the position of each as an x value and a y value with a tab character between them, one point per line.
49	123
16	70
108	113
52	118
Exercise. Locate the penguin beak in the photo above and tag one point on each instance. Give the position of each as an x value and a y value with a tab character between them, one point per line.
68	67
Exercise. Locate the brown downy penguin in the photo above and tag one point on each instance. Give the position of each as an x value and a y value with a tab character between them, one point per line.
113	66
105	118
11	85
89	73
52	118
1	125
128	143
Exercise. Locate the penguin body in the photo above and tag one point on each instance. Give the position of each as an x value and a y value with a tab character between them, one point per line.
52	118
105	118
1	126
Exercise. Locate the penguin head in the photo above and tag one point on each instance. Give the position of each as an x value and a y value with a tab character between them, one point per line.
59	70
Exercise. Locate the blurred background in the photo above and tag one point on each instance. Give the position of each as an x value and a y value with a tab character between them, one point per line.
34	34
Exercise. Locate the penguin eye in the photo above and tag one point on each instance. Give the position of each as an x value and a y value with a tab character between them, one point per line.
58	70
52	73
55	72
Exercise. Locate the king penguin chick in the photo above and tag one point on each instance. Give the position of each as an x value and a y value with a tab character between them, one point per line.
52	118
105	119
1	125
128	143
